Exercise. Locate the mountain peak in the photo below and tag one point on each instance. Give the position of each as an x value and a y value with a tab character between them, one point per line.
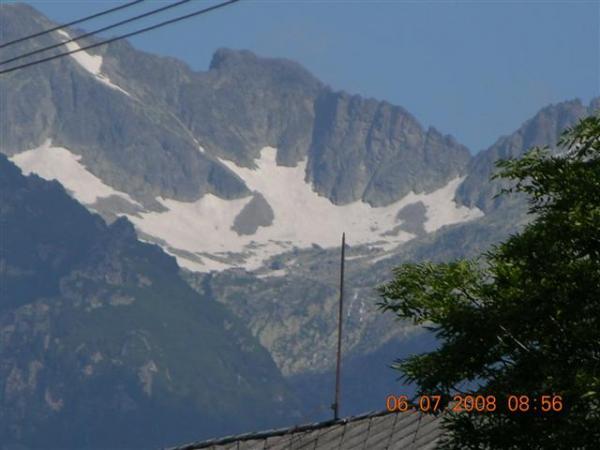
224	58
543	129
20	19
21	8
247	63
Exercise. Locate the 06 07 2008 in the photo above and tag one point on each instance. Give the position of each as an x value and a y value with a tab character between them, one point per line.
514	403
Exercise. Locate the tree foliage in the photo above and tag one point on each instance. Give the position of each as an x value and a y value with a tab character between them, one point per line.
524	318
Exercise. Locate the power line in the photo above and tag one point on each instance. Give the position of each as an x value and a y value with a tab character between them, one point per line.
99	30
123	36
75	22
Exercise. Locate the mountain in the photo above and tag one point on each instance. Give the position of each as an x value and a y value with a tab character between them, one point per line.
247	173
291	305
290	297
247	152
103	345
542	130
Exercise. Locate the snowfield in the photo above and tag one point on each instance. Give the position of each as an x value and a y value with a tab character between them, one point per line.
58	163
302	218
200	234
91	63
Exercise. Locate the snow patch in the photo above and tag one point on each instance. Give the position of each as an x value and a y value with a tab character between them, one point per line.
273	274
201	227
58	163
352	258
302	218
381	257
200	148
91	63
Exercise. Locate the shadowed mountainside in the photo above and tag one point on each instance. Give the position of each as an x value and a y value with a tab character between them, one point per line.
98	332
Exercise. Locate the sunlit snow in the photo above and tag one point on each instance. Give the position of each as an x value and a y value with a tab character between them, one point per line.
91	63
58	163
203	229
302	218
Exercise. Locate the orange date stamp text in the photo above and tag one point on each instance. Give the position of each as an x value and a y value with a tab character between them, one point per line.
514	403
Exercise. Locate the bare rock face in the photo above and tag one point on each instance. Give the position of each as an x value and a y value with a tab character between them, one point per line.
257	213
126	140
413	217
244	103
373	151
542	130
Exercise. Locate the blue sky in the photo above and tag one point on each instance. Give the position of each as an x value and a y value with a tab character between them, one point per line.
473	69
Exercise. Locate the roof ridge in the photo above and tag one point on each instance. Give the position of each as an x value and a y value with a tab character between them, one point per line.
280	431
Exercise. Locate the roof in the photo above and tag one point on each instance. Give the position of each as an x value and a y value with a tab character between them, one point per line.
373	431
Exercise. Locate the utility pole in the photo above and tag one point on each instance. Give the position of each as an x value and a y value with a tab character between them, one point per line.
336	403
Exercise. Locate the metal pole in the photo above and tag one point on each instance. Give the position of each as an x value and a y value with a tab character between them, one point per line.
336	404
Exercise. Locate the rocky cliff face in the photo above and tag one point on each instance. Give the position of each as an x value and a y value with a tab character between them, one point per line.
132	145
377	152
542	130
98	332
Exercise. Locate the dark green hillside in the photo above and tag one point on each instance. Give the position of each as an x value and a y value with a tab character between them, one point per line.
103	345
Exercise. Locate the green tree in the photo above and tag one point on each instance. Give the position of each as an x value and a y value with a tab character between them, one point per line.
524	319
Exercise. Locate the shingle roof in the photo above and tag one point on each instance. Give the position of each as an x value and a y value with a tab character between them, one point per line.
373	431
